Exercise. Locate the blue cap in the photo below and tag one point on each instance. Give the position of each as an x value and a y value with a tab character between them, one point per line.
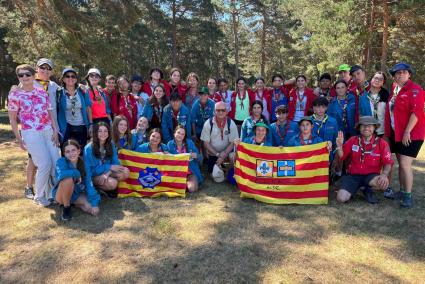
401	66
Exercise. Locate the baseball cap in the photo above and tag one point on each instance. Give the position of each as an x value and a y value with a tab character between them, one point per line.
344	67
47	61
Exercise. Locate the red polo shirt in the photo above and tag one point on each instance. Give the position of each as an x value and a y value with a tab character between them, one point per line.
373	161
292	101
410	99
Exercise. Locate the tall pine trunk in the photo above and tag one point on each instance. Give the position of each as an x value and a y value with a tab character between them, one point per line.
385	34
236	39
174	37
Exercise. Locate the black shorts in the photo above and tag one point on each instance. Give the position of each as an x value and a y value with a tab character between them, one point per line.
412	150
211	162
352	183
238	122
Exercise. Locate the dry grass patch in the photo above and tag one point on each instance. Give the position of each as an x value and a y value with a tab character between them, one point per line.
211	236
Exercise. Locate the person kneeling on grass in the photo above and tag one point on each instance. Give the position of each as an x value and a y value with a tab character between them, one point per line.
180	145
101	159
74	186
370	161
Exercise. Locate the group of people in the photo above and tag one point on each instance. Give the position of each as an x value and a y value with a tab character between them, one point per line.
359	119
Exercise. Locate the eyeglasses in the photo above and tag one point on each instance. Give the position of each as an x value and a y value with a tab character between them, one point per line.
94	76
220	110
70	76
45	68
378	79
26	74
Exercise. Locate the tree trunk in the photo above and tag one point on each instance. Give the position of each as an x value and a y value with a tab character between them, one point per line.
385	33
235	33
174	36
371	25
263	45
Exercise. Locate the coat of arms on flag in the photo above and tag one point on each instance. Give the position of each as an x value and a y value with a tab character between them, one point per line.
283	175
153	174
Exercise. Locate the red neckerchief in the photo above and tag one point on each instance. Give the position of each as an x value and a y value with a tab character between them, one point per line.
282	136
279	93
242	99
182	149
309	140
175	114
258	95
221	126
374	141
224	99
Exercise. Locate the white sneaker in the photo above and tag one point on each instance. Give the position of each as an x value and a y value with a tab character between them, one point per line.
42	201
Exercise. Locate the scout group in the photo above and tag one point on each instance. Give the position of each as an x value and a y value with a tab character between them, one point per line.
362	122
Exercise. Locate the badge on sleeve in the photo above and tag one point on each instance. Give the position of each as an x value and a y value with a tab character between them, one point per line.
355	148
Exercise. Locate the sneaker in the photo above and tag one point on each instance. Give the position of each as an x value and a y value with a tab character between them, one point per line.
406	201
29	192
391	194
66	213
42	201
370	195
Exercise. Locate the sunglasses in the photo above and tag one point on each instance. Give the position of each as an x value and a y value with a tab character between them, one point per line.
220	110
94	76
70	76
45	68
26	74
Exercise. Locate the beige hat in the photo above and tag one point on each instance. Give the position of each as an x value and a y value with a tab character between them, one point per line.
218	174
367	120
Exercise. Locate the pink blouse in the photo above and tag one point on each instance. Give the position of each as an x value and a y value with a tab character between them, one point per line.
32	108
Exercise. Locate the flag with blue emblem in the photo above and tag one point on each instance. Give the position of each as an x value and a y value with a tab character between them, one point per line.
283	175
153	174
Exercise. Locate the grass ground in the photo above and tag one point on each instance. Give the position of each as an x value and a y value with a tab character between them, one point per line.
212	236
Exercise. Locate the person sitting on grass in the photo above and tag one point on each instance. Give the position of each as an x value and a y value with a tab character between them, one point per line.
218	135
370	164
306	136
283	129
101	159
121	135
260	131
74	186
155	144
180	145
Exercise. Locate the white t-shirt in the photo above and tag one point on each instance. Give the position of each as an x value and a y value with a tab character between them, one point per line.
215	138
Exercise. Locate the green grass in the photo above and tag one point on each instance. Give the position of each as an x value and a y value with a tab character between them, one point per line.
210	236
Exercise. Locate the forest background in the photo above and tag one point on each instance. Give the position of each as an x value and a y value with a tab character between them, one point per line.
212	37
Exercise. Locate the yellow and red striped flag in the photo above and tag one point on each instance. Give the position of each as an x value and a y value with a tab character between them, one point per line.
283	175
153	175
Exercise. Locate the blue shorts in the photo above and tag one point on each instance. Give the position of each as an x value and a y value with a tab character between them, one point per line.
76	193
352	183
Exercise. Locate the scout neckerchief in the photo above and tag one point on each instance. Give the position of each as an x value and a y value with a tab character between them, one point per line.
102	155
97	96
300	101
307	141
160	150
374	141
319	123
277	93
158	112
127	104
176	117
343	106
182	149
256	143
153	85
44	84
323	94
221	126
73	99
141	136
375	102
260	97
123	142
191	98
203	111
224	98
285	131
242	99
397	90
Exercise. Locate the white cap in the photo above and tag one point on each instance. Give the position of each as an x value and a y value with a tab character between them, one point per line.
94	71
218	174
43	61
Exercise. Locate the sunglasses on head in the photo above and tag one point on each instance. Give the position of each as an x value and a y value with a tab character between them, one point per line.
70	76
45	68
26	74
